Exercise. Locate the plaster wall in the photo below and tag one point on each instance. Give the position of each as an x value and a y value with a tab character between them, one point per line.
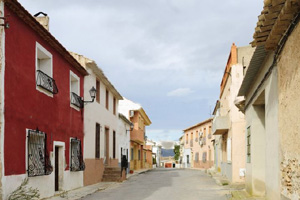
289	129
97	112
2	67
123	139
263	173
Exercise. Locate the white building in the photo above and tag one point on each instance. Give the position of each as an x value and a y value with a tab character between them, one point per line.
101	123
123	138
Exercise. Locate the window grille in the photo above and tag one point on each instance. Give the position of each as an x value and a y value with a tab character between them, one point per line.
77	163
38	159
248	145
46	82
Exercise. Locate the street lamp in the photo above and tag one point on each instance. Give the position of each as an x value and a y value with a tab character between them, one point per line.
93	93
131	127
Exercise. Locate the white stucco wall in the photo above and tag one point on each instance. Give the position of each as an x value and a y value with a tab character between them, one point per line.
97	113
123	139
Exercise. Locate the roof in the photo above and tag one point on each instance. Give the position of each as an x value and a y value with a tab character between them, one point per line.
124	119
126	105
199	124
24	15
255	64
274	20
88	63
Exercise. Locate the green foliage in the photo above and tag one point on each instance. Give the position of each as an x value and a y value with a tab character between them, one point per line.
24	193
177	152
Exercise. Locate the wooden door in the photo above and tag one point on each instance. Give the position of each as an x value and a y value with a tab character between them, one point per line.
56	173
107	144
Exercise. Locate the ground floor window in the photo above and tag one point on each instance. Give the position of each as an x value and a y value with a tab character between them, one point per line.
139	154
187	159
197	157
77	163
38	159
132	154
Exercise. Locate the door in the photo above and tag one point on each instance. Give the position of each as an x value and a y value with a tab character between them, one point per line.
106	145
56	173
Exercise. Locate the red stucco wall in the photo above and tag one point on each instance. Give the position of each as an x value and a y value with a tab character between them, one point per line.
26	107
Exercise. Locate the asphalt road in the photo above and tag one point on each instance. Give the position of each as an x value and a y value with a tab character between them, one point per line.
165	184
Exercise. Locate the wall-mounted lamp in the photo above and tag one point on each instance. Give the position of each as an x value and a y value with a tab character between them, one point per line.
93	93
6	24
131	127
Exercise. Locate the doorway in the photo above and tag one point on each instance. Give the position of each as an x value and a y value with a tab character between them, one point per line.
106	145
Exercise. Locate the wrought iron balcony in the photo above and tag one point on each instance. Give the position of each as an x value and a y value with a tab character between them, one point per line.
46	82
191	143
76	100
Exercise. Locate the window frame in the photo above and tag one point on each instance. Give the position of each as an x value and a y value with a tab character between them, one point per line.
73	75
97	141
79	156
107	99
39	47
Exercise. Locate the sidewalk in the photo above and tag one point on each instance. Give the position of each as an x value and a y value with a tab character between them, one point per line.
237	190
87	190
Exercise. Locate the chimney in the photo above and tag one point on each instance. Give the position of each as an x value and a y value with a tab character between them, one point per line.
43	20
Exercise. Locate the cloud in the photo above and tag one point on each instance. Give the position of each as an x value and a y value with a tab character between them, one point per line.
180	92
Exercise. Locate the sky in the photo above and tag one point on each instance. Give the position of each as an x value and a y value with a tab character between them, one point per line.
167	55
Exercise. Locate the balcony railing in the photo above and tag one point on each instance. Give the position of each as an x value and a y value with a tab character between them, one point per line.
196	139
191	143
46	82
76	100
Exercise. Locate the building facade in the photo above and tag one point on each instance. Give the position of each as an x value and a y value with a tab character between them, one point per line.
198	139
101	123
42	126
271	93
229	122
136	114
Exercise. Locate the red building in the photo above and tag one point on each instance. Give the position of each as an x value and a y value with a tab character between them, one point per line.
42	118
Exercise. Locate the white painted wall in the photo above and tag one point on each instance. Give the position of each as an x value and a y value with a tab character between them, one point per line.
123	139
97	113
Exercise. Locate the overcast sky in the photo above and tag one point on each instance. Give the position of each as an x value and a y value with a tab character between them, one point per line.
167	55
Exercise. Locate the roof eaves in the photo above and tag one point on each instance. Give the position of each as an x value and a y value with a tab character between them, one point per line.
254	66
17	8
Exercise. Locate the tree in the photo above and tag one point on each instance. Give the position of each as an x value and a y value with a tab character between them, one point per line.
176	151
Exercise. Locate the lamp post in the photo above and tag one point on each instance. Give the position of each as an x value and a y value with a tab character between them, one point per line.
131	127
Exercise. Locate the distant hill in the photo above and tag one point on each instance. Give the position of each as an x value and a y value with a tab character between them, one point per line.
167	152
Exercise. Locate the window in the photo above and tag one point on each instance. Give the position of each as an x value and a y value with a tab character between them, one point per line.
186	138
187	159
77	163
127	154
248	145
97	141
197	157
204	157
139	154
38	160
107	99
145	157
115	105
114	144
131	153
75	91
98	91
44	78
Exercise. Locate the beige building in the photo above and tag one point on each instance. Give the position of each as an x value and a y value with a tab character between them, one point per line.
198	142
229	123
271	90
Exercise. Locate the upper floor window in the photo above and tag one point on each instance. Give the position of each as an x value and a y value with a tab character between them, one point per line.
98	91
115	106
107	99
76	100
44	71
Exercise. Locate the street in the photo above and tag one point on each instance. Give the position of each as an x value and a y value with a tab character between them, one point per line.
165	184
